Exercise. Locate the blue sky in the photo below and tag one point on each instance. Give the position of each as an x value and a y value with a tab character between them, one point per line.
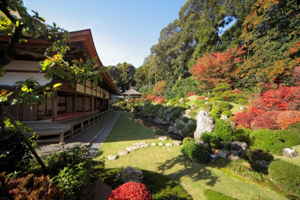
123	30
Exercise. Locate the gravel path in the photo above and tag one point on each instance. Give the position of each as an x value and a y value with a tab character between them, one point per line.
93	136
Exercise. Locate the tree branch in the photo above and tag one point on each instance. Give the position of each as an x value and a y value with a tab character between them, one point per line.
29	53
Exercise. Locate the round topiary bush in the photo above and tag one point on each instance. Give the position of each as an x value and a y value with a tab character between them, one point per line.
242	135
215	143
131	190
223	130
196	152
227	113
223	105
160	132
187	139
192	127
290	138
200	102
176	113
242	101
179	126
191	114
207	137
207	107
286	176
184	119
263	139
185	132
253	155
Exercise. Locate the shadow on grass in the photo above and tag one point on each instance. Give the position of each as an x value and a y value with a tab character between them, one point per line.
190	169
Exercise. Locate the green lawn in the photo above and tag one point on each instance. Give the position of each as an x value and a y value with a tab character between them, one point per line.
169	161
295	161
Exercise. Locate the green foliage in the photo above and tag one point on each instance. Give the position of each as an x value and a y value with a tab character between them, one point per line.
289	137
227	113
173	101
263	139
30	187
223	130
207	107
191	114
277	148
184	119
215	143
214	99
179	126
242	101
160	132
253	155
214	195
192	127
187	139
208	136
185	132
242	170
200	102
223	105
286	176
242	135
196	152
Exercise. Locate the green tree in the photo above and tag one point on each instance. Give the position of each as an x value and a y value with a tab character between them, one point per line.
126	79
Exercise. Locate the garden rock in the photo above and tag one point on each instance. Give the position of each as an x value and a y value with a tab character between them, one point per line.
290	153
112	157
130	174
131	148
161	137
177	142
123	152
213	157
233	155
263	163
204	124
223	153
153	144
168	144
238	146
140	145
224	117
161	144
170	129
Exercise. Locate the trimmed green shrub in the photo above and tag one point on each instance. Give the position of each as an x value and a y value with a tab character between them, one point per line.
213	99
242	101
223	105
160	132
200	102
226	145
192	127
227	113
277	148
253	155
214	195
207	107
185	132
184	119
176	113
289	137
263	139
191	114
187	139
196	107
216	110
207	137
179	126
242	135
286	176
215	143
223	130
196	152
182	105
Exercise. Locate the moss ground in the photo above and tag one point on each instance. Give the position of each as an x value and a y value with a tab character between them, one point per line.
169	161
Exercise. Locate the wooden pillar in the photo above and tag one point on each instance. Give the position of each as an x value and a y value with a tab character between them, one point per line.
91	103
84	100
54	106
74	98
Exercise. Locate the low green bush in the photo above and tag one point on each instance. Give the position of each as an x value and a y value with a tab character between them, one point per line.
263	138
242	101
242	170
207	107
277	148
215	143
176	113
253	155
289	137
223	105
160	132
184	119
187	139
223	130
227	113
242	135
179	126
192	127
200	102
196	152
216	110
196	107
191	114
185	132
213	99
207	136
226	145
214	195
286	176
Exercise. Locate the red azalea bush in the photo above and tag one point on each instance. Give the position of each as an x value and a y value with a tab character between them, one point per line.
130	191
266	120
159	99
201	97
191	94
286	118
150	97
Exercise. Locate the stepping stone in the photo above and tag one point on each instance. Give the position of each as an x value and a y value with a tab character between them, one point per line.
140	144
168	144
153	144
131	148
161	144
161	137
123	152
112	157
177	142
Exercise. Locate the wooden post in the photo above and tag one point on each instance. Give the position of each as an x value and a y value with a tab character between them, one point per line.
84	100
54	106
74	98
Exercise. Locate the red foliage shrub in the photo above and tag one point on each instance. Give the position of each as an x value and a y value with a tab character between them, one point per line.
150	97
159	99
191	94
130	191
242	119
266	120
29	187
286	118
237	91
201	97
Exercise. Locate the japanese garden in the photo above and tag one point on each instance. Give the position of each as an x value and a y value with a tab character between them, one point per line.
212	113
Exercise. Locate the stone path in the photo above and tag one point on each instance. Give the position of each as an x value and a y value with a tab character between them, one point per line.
93	136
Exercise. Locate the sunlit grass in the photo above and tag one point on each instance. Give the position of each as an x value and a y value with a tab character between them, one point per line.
169	161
